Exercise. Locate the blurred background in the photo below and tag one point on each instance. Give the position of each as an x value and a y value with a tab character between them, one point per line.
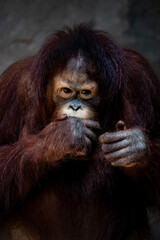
24	24
134	24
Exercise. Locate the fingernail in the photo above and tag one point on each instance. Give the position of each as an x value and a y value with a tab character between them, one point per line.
62	117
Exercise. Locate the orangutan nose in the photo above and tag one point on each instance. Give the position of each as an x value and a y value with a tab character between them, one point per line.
75	105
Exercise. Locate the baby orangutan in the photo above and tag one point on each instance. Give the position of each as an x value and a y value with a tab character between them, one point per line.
79	141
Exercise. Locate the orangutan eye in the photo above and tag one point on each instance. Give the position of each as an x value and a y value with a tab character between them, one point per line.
66	90
86	94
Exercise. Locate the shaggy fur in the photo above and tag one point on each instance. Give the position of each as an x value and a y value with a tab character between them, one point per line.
78	199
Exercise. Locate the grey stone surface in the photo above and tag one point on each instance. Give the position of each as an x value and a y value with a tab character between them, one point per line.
24	24
135	24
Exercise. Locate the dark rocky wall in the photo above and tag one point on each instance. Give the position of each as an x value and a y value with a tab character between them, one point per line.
24	24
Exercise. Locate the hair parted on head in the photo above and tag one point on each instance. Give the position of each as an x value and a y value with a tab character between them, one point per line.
95	46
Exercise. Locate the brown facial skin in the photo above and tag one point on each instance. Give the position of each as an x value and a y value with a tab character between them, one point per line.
73	93
76	99
124	148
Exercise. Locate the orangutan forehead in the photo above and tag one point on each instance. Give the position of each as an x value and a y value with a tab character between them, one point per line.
75	74
71	77
74	80
81	64
78	64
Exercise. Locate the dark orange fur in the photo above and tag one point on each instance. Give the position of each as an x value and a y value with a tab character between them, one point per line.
77	199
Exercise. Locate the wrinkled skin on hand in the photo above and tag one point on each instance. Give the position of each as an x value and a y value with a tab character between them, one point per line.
82	134
124	148
68	136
